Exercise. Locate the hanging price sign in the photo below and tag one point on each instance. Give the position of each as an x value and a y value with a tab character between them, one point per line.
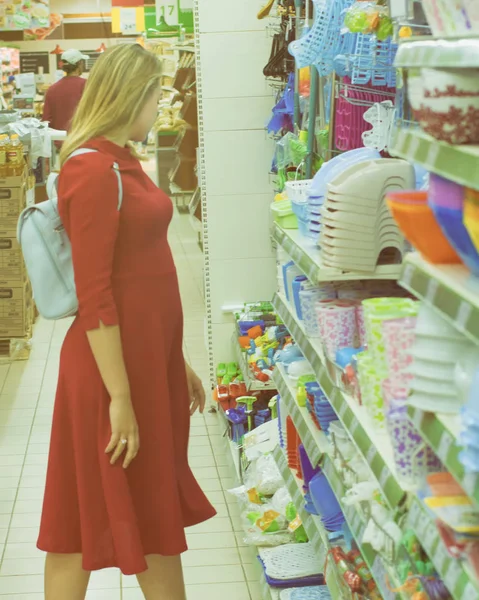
167	10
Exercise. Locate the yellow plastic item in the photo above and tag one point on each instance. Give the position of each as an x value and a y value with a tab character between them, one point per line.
301	396
471	215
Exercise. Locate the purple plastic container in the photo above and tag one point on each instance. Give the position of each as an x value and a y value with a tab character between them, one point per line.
445	193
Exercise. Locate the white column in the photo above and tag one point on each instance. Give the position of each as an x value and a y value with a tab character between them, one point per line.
236	154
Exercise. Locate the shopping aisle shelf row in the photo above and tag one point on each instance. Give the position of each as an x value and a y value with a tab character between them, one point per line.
441	433
252	384
457	163
438	53
312	524
318	535
449	289
461	585
306	254
374	445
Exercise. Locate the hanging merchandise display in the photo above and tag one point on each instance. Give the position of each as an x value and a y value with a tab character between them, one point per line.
372	339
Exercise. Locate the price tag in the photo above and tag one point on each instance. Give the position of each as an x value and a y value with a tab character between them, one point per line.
471	592
452	576
384	476
381	576
421	527
414	514
417	418
430	537
370	454
354	426
432	153
432	288
463	314
469	483
407	274
444	446
441	558
168	9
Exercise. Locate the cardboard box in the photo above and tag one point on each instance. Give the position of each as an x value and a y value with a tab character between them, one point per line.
12	267
15	311
16	181
12	202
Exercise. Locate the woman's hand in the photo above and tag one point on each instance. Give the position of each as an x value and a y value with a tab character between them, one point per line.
195	390
124	431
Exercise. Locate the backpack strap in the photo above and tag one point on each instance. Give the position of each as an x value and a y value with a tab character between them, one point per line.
116	170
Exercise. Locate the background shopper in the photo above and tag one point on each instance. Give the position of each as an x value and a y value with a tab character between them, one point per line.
62	98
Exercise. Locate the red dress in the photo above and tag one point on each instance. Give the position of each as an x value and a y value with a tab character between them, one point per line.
125	275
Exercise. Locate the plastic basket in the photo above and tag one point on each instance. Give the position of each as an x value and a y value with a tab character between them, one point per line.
333	41
373	61
297	191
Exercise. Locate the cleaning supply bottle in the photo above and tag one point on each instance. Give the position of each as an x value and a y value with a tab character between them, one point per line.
3	155
15	156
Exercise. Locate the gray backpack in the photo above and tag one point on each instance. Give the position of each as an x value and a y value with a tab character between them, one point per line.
47	251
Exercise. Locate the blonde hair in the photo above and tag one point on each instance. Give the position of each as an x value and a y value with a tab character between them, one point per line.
116	91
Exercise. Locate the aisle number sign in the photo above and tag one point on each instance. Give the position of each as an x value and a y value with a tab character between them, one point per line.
168	9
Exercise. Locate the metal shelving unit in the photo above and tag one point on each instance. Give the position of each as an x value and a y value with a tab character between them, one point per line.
438	53
457	163
441	432
449	289
461	584
375	446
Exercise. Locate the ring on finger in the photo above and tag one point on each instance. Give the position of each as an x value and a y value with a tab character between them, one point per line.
124	441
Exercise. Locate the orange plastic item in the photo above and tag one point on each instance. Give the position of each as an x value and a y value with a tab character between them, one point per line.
255	332
244	341
418	224
444	484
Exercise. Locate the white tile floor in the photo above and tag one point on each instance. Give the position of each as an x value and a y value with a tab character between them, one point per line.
217	566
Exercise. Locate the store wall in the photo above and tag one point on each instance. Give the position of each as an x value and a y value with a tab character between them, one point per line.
233	48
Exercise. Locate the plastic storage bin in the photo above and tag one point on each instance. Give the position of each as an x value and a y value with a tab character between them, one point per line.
283	214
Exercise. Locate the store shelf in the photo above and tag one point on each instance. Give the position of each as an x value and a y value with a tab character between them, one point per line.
457	579
440	432
252	384
450	289
374	445
307	257
315	442
312	524
457	163
438	53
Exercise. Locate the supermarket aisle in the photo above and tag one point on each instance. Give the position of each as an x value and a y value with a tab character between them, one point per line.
216	567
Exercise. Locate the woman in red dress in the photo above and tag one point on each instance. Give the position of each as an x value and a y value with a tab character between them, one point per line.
119	490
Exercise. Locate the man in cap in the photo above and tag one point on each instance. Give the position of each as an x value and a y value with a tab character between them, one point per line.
63	97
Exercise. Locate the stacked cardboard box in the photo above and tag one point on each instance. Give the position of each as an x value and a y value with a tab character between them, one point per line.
16	303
